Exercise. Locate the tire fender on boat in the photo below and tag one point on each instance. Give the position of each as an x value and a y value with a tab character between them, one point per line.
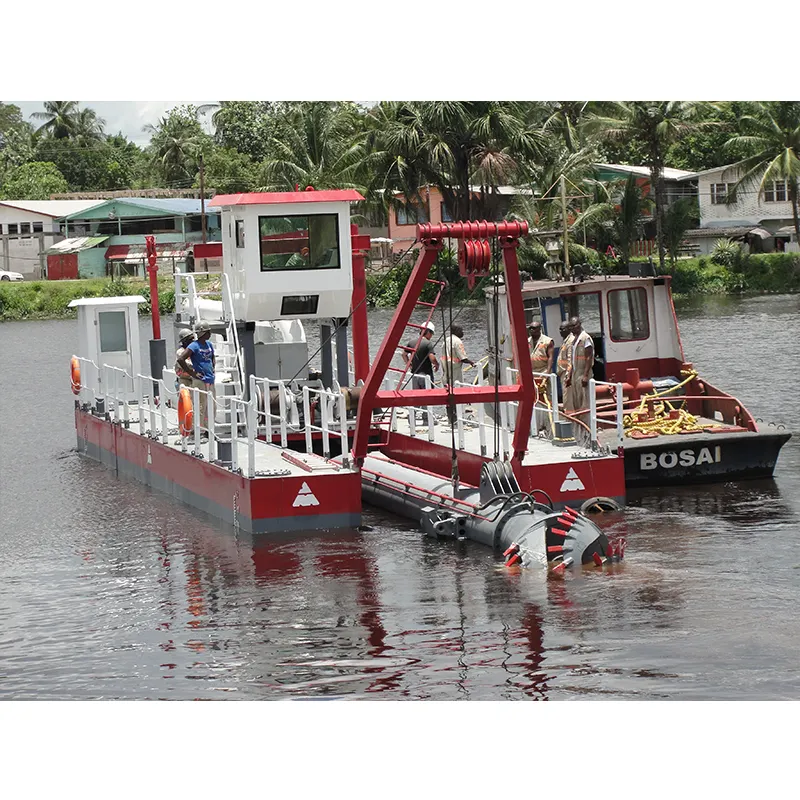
75	375
185	412
599	505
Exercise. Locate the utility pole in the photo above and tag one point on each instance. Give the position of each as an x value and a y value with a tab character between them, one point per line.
203	206
563	183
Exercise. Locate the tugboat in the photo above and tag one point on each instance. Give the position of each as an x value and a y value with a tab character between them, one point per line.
678	428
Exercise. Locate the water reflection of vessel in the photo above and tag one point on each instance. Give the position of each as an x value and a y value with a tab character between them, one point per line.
679	428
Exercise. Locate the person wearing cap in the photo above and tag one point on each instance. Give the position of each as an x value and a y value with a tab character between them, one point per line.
541	349
184	375
201	352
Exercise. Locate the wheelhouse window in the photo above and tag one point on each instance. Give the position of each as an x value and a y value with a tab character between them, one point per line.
412	214
776	192
586	306
240	233
627	309
113	332
720	192
310	241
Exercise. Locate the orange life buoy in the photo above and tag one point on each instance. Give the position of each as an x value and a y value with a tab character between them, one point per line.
185	412
75	375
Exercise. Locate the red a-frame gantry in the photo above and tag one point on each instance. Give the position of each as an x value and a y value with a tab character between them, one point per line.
373	397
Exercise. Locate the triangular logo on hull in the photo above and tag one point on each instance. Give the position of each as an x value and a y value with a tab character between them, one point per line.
305	497
572	483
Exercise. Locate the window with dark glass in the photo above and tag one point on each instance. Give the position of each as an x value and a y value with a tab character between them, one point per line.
446	215
628	311
13	227
38	227
586	306
310	241
719	193
24	227
296	305
775	192
240	233
412	214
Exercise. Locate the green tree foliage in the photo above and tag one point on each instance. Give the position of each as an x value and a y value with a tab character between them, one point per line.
175	146
453	146
319	144
60	118
16	145
654	126
770	137
35	180
679	217
245	126
229	171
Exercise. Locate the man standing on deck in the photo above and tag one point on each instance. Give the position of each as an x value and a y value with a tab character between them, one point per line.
578	374
204	366
424	361
541	350
184	376
564	356
454	356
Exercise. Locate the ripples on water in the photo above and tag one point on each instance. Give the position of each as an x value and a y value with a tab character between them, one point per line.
109	590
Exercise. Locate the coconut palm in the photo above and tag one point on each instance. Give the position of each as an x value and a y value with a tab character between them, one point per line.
456	146
319	144
61	118
654	125
176	144
771	136
88	126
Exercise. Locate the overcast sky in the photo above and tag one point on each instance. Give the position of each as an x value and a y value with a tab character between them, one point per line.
128	116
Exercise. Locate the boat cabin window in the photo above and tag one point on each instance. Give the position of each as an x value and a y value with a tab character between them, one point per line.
627	311
113	333
587	307
299	242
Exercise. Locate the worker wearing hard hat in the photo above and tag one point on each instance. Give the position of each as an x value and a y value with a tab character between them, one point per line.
184	376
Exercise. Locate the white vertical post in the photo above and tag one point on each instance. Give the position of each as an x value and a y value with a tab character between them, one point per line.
152	409
125	399
592	413
164	421
554	396
212	439
323	407
307	418
196	417
481	418
620	428
114	389
281	410
429	385
343	427
140	401
252	430
504	428
234	440
460	423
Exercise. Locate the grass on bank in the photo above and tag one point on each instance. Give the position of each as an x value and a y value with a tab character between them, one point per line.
50	299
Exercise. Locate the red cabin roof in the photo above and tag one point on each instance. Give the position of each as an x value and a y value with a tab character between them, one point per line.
271	198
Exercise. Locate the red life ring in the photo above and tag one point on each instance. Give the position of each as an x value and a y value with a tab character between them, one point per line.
185	412
75	375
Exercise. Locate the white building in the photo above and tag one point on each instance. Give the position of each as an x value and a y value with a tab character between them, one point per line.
28	228
763	219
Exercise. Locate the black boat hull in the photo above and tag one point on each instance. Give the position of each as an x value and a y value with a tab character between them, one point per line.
701	458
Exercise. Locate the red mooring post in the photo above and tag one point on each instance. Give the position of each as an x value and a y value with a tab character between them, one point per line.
158	347
360	327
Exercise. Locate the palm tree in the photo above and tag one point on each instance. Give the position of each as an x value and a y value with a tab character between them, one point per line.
319	144
654	125
771	136
618	214
455	146
176	144
60	118
88	126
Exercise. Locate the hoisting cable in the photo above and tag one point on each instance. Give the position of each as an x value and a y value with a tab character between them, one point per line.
447	359
495	314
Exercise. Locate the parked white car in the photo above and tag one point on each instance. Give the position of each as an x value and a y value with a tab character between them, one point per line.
5	275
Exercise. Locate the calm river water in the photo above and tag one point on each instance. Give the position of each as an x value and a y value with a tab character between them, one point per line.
109	590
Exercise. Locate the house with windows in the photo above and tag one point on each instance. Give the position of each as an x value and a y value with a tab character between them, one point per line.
761	219
175	223
28	228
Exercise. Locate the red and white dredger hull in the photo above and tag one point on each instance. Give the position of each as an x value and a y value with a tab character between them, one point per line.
314	499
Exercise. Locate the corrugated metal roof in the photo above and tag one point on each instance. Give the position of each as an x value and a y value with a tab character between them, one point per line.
76	245
167	206
52	208
669	173
137	253
264	198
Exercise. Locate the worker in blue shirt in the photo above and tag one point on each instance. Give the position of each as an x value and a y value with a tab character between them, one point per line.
202	369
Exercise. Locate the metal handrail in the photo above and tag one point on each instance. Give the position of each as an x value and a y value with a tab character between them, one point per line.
336	398
593	419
